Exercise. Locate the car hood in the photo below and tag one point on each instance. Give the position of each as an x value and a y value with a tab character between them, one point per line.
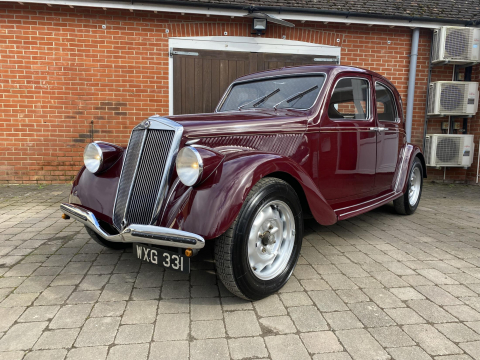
260	121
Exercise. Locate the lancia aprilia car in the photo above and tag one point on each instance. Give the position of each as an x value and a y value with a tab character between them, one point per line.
326	142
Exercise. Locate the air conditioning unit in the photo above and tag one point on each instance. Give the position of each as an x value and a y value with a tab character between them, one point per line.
453	98
450	150
456	45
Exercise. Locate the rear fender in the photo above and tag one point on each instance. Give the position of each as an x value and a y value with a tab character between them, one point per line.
411	152
210	209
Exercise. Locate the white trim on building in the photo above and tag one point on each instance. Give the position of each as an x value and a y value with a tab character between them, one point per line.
247	44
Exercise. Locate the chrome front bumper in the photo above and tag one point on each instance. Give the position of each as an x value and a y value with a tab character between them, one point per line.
147	234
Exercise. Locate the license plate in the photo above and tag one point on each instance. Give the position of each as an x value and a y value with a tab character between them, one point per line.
169	259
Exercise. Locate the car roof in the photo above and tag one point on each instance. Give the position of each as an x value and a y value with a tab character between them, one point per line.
328	69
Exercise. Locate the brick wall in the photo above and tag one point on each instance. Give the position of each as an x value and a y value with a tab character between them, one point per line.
59	71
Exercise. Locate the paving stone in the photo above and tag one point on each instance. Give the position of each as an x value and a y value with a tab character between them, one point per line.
250	347
295	299
172	327
278	325
315	284
409	353
22	336
430	311
211	349
436	276
352	296
133	351
404	316
175	306
175	289
361	345
178	350
463	312
332	356
66	280
321	342
407	293
12	355
327	301
391	336
457	332
235	303
371	315
71	316
208	329
15	300
58	354
116	292
111	308
438	295
307	318
146	294
339	281
286	347
431	340
34	284
133	334
54	295
389	279
57	339
206	309
140	312
90	353
8	316
269	306
472	348
93	282
242	323
343	320
384	298
98	331
83	297
458	290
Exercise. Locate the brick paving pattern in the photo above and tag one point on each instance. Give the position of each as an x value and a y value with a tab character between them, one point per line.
378	286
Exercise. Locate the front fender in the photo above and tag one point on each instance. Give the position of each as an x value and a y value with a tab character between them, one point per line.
210	209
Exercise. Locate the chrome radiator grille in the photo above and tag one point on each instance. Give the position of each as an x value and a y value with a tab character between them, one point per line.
142	179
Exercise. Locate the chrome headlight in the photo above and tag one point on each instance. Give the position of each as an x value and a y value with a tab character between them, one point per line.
93	157
189	165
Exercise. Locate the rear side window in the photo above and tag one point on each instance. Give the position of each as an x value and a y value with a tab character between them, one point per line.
349	100
385	100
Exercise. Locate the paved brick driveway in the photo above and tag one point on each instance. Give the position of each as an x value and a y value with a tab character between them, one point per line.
377	286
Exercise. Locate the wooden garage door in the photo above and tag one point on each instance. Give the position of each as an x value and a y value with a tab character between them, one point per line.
200	77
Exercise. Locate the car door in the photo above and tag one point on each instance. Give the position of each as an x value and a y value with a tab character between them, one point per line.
389	135
347	147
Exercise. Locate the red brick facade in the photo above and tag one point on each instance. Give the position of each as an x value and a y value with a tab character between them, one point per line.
59	70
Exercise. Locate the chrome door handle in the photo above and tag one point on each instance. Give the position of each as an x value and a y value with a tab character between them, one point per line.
374	129
382	129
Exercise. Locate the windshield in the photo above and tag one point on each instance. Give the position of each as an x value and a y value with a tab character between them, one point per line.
299	92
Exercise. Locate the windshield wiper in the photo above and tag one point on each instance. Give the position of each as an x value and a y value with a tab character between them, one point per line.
296	96
260	100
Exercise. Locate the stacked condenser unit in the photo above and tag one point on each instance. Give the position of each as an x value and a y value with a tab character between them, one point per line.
456	46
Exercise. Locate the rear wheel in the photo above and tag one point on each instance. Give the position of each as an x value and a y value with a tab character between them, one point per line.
408	202
257	255
106	243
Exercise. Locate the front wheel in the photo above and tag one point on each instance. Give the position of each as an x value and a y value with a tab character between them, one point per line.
257	254
408	202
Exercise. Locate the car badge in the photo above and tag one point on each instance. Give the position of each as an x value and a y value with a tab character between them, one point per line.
146	124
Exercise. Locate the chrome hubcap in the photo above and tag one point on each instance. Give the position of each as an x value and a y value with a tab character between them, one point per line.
415	185
271	240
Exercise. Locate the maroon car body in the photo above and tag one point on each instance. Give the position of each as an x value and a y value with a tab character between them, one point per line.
301	146
339	168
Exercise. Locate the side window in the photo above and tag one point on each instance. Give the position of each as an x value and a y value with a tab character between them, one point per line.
349	99
385	100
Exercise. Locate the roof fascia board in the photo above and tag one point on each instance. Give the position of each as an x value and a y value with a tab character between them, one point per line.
217	11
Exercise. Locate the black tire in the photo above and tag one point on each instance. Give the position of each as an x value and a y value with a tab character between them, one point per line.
402	204
231	255
106	243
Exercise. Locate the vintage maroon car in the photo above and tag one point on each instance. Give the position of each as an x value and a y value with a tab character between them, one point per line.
326	142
